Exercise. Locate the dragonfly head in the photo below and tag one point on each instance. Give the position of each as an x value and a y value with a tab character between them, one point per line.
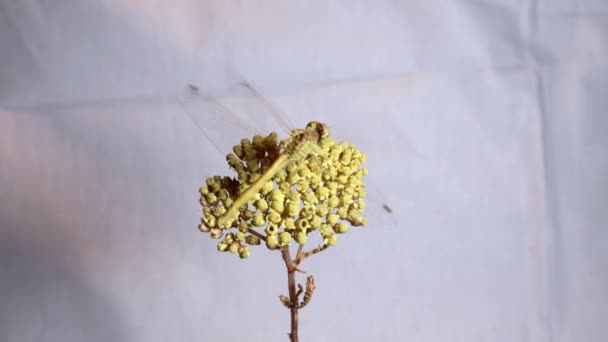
321	129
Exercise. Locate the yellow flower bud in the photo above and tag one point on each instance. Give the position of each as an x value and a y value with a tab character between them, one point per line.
267	188
219	211
243	252
252	240
258	142
362	193
210	182
277	206
346	171
311	198
340	227
295	196
271	229
284	238
362	204
284	187
301	237
304	171
238	151
307	212
222	195
322	193
293	208
353	181
331	240
211	198
277	195
215	233
222	247
303	186
302	224
315	181
229	221
243	226
240	236
292	178
210	222
274	217
332	172
261	204
280	176
333	201
335	153
331	218
249	214
203	228
346	200
246	144
255	197
234	247
271	140
316	221
291	167
203	191
272	242
288	223
353	213
326	230
322	209
258	221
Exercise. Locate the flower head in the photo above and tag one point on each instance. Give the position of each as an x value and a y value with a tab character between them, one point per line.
318	188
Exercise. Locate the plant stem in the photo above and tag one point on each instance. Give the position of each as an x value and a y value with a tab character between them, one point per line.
302	255
253	232
291	283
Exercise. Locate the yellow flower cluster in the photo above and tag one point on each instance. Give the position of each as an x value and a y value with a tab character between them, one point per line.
322	192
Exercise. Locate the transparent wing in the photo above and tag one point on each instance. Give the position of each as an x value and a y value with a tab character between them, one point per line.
281	117
217	121
266	112
239	112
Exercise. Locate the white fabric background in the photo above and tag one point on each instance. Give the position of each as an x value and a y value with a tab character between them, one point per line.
484	125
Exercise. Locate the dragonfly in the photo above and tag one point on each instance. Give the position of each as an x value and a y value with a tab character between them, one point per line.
301	144
306	142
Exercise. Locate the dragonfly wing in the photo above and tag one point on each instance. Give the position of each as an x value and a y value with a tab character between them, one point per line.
269	106
222	126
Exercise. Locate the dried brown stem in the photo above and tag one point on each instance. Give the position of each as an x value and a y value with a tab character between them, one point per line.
300	290
305	255
253	232
299	254
291	283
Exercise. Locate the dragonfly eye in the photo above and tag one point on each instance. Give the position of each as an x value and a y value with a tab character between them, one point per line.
321	129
